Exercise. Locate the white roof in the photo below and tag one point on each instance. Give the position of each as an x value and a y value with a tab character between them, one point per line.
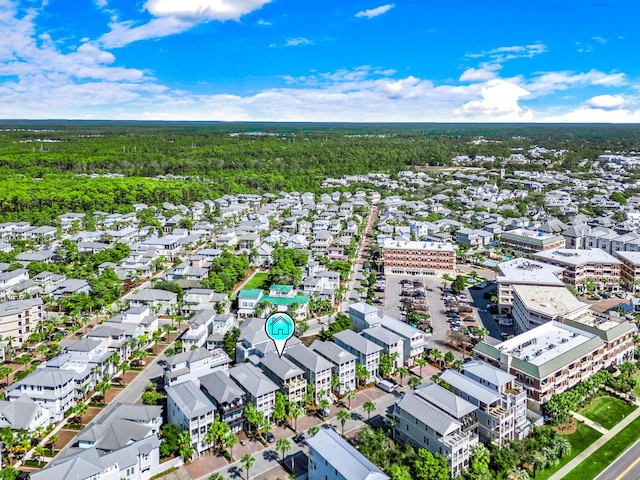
550	301
574	256
521	270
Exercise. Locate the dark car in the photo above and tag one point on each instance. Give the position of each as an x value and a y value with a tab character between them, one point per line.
298	437
270	438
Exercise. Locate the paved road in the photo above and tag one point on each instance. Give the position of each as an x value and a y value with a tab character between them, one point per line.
626	467
486	318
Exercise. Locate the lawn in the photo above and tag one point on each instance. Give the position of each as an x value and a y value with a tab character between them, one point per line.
579	440
608	411
606	454
257	281
636	391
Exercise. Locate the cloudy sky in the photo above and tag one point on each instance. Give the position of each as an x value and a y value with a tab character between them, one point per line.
302	60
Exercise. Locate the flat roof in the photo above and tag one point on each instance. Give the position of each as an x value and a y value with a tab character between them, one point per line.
550	301
413	245
521	270
531	235
574	256
545	343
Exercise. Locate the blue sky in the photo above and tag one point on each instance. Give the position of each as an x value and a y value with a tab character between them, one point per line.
293	60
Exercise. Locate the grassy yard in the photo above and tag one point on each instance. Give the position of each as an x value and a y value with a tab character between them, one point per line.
636	391
579	440
606	454
608	411
257	281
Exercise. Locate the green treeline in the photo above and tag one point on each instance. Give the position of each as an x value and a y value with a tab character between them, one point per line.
45	167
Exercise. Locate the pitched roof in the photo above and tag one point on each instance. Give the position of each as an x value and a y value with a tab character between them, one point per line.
252	380
350	463
358	342
445	400
491	374
189	399
332	352
470	387
428	414
280	366
307	358
220	387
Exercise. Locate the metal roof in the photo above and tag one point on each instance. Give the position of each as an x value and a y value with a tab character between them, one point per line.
428	414
445	400
460	383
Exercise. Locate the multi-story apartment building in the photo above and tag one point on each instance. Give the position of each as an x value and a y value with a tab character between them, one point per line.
520	271
556	356
344	363
227	397
535	305
193	364
333	458
317	369
289	377
501	402
418	258
583	266
425	425
53	388
364	316
391	343
190	410
527	242
261	391
19	318
630	269
366	352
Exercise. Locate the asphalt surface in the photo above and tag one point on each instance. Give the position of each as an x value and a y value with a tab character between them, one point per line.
626	467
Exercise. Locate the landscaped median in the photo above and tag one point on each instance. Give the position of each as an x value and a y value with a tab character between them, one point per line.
606	454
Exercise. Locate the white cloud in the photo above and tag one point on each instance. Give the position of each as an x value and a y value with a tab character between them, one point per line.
298	41
606	102
503	54
499	99
554	81
124	33
264	23
101	3
599	39
203	10
485	72
375	12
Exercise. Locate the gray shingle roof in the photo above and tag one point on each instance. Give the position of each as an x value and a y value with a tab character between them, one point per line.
220	387
307	358
358	342
189	399
280	366
332	352
491	374
252	380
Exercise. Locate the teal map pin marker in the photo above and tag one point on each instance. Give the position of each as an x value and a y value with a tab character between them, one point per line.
279	328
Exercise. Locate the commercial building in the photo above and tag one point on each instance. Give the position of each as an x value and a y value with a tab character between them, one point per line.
527	242
535	305
556	356
418	258
582	267
630	269
520	271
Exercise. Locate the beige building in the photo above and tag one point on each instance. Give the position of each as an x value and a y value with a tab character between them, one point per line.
535	305
528	242
556	356
418	258
583	266
630	269
19	318
521	271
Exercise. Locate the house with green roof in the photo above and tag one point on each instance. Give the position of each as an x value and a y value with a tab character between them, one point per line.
248	300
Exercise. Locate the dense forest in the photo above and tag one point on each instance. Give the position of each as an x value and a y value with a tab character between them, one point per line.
46	167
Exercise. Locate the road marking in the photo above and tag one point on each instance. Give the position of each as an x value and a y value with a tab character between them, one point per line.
628	469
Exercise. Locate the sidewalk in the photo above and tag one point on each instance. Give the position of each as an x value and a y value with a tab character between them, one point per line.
591	423
578	459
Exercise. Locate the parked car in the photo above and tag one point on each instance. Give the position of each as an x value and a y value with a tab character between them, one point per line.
298	437
270	437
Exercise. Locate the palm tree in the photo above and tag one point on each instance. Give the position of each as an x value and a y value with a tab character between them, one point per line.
247	461
230	441
420	362
185	447
124	366
515	473
414	382
457	364
39	453
562	446
350	395
283	445
78	411
324	405
343	416
53	438
217	476
313	430
402	372
369	407
436	355
362	374
295	411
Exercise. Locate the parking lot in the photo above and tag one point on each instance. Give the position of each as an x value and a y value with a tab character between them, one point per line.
499	332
